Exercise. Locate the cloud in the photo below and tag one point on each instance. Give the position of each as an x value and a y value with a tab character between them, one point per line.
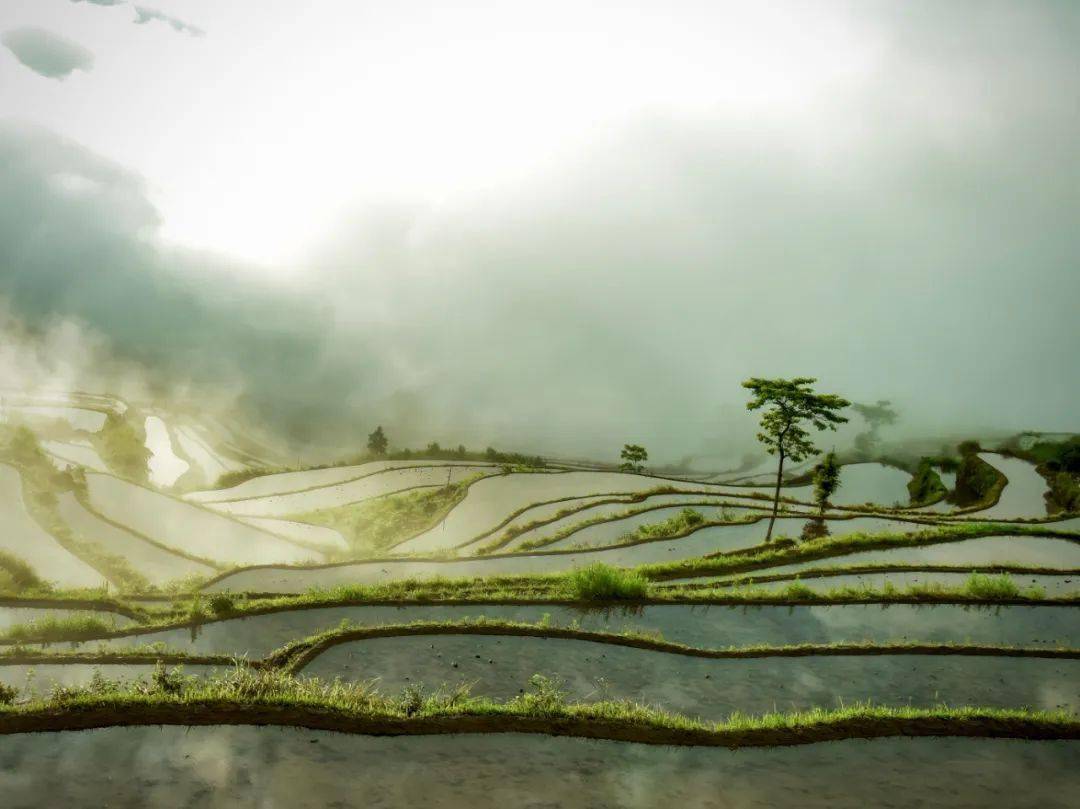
79	241
914	242
144	15
102	2
46	53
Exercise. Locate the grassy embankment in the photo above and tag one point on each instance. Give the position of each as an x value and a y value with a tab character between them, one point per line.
267	697
597	586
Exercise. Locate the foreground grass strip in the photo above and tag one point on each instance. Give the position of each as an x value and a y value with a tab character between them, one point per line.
252	698
295	656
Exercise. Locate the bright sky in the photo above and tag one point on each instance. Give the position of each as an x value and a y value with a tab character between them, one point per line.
257	137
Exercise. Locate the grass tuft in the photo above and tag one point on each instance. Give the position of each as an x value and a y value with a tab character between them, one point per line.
600	582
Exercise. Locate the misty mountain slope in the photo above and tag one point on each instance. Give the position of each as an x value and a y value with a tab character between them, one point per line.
186	527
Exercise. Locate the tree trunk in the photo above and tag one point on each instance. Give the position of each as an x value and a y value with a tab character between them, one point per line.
776	497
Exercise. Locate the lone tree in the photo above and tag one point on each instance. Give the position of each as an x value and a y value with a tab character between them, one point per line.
790	404
826	481
376	441
633	458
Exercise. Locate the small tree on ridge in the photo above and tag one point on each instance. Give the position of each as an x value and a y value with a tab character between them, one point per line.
377	442
633	458
790	404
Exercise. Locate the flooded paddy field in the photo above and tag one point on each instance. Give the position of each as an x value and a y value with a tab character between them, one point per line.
704	626
258	767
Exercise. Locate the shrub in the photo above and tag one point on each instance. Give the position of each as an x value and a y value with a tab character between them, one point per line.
411	701
814	529
797	591
8	693
925	485
549	699
222	604
984	586
600	582
165	681
680	523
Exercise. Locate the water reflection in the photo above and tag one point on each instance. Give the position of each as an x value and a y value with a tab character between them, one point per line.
267	767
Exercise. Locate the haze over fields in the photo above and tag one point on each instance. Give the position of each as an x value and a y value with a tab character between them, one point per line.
545	226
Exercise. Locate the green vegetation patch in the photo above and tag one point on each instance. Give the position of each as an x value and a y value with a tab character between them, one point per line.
375	525
600	582
121	444
978	484
926	486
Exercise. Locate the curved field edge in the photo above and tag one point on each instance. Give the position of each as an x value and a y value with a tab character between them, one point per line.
295	656
612	721
737	561
56	631
815	573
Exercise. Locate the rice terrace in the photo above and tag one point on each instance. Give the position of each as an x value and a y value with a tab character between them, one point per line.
539	405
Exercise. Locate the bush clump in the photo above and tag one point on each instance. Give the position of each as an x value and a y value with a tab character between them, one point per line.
683	521
925	486
600	582
222	604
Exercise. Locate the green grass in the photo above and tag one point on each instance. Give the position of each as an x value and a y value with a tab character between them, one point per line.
597	584
984	586
600	582
76	627
680	523
246	696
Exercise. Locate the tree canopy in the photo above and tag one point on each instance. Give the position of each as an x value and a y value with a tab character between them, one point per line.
377	442
633	458
791	403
